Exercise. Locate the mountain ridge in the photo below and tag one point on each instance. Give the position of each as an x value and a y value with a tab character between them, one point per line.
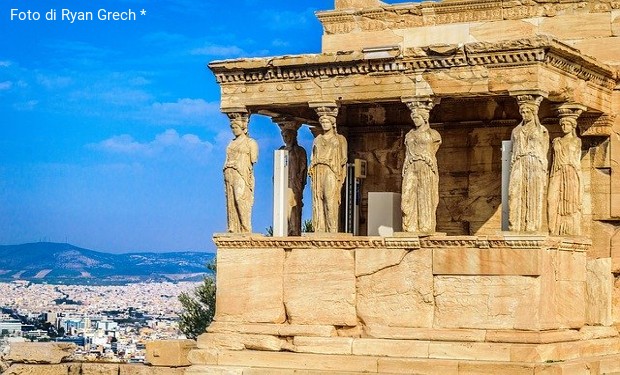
64	263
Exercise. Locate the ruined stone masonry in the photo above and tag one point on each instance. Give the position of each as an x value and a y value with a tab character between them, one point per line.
453	294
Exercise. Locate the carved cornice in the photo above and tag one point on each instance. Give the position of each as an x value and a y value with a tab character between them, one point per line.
521	52
449	12
228	241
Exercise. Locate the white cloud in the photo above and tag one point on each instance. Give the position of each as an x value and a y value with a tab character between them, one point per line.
168	142
26	106
280	43
219	51
282	20
6	85
184	111
5	64
56	82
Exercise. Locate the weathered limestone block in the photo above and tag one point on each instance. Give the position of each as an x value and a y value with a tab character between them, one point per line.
597	332
439	34
615	24
569	304
614	247
236	341
402	333
323	345
249	285
39	352
602	243
320	287
467	261
216	370
100	368
203	356
357	4
599	285
170	353
616	301
360	40
485	302
578	26
471	79
569	265
606	50
369	261
43	369
600	185
470	350
400	295
406	365
562	291
273	329
391	348
502	30
300	361
149	370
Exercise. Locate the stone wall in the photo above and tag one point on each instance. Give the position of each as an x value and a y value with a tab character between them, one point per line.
591	26
429	305
162	358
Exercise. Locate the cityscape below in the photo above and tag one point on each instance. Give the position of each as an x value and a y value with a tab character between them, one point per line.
64	297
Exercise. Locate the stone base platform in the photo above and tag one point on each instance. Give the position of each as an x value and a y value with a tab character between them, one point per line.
418	305
282	363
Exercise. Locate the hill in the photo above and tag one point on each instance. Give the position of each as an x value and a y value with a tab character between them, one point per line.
67	264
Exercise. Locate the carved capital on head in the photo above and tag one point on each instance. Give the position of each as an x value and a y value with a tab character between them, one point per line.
570	110
529	98
287	123
325	108
421	105
237	113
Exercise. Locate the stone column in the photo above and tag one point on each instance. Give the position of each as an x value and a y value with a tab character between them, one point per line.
327	169
420	186
529	165
565	197
297	171
241	154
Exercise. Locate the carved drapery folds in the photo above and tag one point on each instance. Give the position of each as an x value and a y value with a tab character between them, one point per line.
565	196
297	171
241	154
528	174
420	186
327	169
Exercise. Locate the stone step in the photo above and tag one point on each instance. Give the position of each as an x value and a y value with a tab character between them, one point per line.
283	363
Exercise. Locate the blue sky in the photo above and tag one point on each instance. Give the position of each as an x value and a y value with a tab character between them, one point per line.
112	137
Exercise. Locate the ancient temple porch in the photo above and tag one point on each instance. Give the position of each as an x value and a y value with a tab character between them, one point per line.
474	84
472	298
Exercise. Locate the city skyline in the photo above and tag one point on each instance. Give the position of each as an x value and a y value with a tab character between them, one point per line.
113	139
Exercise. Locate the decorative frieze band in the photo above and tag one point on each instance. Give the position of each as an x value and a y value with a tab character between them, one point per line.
440	13
411	242
501	54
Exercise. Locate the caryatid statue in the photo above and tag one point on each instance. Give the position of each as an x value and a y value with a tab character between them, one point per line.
564	201
297	172
327	170
420	186
241	154
529	165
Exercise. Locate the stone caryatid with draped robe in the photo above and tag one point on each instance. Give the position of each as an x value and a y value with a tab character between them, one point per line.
565	181
297	173
529	165
420	186
327	171
241	154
